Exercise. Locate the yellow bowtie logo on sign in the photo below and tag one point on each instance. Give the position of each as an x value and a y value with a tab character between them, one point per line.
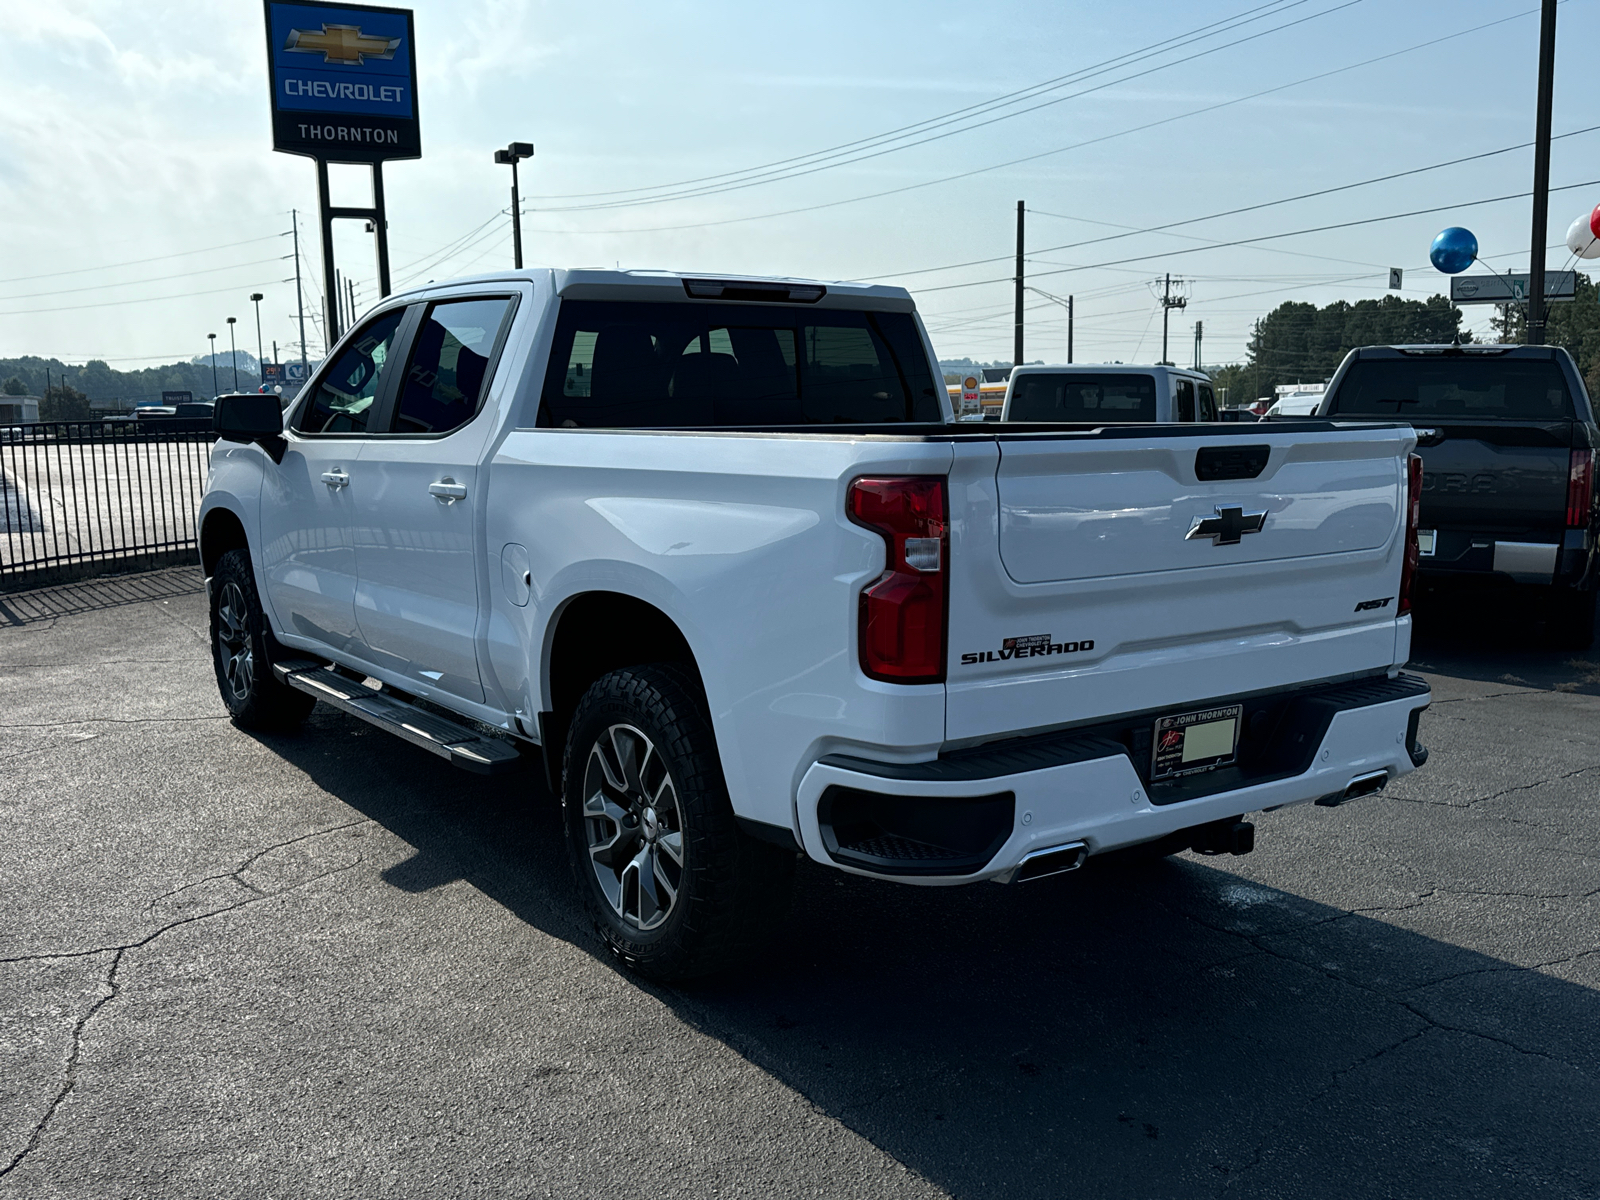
345	45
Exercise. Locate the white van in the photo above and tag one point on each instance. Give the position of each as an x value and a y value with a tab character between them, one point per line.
1099	392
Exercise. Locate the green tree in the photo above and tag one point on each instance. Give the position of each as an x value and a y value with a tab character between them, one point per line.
63	403
1301	343
1575	327
15	387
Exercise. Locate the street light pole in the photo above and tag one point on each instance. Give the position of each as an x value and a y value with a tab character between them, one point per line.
233	353
256	298
510	156
215	386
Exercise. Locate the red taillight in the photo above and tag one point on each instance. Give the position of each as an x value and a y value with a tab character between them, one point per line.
1580	489
903	612
1408	572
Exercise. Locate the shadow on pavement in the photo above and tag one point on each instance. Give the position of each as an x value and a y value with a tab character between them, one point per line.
1172	1030
114	591
1494	635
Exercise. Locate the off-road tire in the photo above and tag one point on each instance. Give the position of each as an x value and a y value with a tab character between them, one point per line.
733	890
241	646
1571	618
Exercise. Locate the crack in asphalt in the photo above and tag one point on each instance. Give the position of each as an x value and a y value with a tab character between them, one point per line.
252	860
113	989
1521	787
114	721
1397	1000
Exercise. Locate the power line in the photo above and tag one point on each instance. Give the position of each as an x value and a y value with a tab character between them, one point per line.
100	287
28	312
798	171
1267	237
932	122
1058	150
141	261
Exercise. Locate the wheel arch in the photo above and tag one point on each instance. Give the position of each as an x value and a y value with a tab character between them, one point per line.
220	531
593	634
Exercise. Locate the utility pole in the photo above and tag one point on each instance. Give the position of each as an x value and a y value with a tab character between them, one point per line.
233	352
1541	172
1069	330
1016	349
299	295
1168	303
216	387
350	286
1198	331
256	298
510	156
338	287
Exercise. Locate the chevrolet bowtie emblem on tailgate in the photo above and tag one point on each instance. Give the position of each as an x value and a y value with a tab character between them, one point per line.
342	44
1227	526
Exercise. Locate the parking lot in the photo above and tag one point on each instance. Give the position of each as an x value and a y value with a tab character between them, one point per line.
329	965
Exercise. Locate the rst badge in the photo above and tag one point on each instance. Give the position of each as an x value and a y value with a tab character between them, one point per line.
1015	649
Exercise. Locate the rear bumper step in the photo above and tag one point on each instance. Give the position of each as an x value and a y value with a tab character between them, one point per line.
456	741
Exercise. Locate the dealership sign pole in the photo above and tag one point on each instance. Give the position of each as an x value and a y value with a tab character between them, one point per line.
344	90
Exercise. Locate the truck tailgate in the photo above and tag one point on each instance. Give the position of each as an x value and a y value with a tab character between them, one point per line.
1116	570
1505	477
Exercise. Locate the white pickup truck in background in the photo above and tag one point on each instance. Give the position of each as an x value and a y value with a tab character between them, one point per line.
718	547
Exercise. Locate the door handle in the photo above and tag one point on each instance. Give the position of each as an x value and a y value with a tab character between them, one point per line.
448	490
335	478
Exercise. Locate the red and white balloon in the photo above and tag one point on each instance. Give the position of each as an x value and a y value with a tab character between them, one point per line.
1583	238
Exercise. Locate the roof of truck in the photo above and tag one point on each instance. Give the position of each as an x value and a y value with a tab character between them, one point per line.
600	283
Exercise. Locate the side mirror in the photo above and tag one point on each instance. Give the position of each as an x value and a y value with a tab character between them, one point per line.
250	417
247	417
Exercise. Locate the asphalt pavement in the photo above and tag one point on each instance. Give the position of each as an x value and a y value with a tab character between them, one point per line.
329	964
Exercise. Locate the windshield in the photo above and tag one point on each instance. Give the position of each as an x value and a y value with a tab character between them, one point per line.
626	364
1080	397
1466	386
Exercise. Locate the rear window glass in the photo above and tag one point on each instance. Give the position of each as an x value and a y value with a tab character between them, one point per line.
622	365
1045	397
1468	386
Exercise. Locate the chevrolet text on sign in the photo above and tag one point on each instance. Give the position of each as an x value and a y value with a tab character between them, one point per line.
344	81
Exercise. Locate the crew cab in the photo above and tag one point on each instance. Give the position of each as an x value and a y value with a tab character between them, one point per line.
1507	436
719	550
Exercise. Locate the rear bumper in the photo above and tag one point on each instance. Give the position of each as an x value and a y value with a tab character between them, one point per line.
1016	799
1462	554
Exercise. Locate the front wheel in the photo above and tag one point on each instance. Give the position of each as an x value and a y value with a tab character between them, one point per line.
674	887
239	637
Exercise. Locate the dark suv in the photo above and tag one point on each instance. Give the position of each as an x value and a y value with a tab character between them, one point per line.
1507	437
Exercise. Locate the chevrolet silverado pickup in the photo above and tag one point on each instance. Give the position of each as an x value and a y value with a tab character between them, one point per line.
718	549
1507	436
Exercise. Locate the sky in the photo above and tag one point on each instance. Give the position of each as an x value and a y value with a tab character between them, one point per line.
141	201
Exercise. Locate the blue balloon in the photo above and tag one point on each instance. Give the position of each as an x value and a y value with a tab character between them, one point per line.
1454	250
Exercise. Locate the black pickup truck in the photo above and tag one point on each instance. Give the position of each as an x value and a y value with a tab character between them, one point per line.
1507	437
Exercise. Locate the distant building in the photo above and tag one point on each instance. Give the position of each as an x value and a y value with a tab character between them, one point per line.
18	410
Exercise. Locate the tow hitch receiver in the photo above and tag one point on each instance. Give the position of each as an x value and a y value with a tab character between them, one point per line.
1224	837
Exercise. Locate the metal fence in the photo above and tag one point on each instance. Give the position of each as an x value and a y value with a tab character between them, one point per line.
81	497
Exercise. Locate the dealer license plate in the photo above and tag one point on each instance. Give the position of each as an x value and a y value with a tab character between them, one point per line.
1195	741
1425	541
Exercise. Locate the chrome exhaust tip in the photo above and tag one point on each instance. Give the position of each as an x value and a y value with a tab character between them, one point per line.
1055	860
1361	785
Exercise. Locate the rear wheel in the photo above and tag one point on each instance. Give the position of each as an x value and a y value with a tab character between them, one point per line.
1572	618
239	640
673	886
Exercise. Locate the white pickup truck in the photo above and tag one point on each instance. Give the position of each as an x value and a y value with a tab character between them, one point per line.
718	548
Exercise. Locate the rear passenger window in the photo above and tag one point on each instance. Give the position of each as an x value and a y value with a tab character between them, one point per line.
346	392
1183	398
1208	403
652	365
445	380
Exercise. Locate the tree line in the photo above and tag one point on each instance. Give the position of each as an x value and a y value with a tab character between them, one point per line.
1301	343
67	391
